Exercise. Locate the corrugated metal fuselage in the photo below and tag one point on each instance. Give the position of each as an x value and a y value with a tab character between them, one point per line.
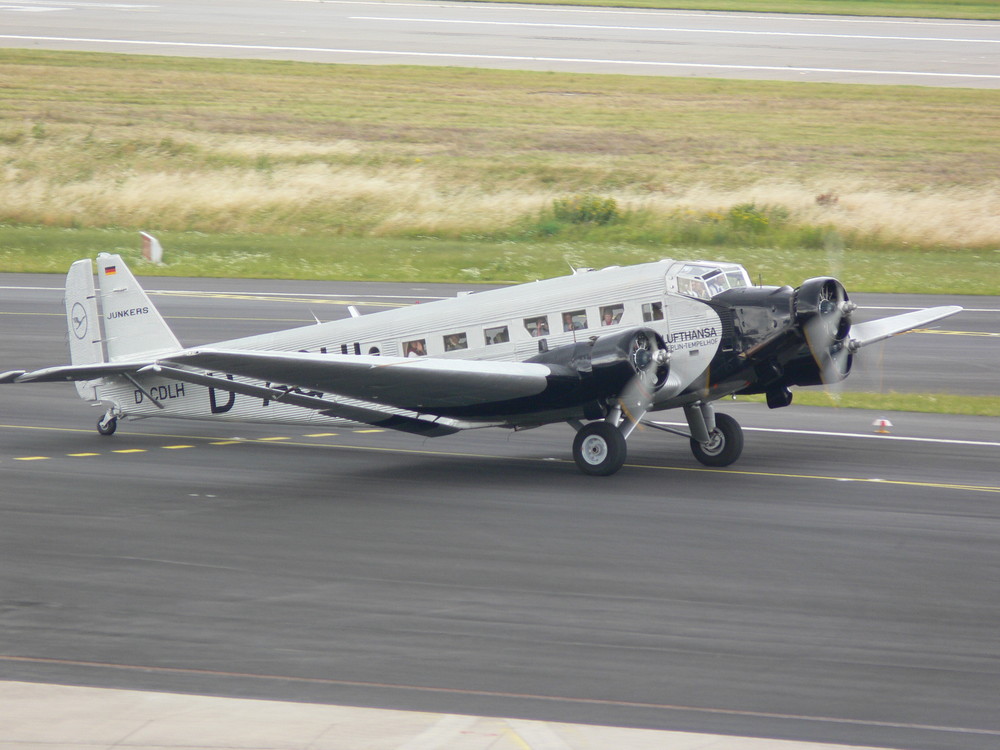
574	308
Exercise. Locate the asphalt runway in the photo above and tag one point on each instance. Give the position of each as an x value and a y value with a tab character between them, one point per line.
833	585
927	52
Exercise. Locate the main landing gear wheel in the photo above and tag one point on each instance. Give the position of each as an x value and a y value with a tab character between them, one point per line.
725	444
599	449
107	425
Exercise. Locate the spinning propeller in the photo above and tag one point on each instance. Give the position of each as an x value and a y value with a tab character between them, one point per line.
824	311
649	360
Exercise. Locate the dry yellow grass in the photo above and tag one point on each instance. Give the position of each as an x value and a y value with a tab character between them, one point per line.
255	147
303	185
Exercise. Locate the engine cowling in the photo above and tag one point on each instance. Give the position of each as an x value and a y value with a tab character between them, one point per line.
606	364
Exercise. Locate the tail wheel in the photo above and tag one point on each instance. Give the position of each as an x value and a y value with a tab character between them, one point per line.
599	449
725	443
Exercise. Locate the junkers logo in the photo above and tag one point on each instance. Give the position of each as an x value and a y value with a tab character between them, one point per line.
78	314
128	313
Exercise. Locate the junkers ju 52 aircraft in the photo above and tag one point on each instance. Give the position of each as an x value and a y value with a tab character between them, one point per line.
598	350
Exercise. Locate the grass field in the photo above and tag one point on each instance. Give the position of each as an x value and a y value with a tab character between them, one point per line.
291	169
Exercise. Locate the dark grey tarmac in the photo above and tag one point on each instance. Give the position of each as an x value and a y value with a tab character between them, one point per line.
772	46
828	587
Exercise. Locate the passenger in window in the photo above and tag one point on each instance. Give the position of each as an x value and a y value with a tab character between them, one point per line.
415	348
498	335
455	341
652	311
611	314
567	321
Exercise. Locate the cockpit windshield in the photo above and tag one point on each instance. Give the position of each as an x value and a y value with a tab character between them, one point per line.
705	280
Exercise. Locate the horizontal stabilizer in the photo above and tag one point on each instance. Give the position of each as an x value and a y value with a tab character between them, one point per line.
64	373
872	331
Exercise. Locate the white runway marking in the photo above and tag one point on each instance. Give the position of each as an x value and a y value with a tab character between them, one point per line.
866	435
680	30
505	58
735	16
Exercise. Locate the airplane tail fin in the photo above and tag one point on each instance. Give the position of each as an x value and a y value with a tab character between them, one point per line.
86	346
133	327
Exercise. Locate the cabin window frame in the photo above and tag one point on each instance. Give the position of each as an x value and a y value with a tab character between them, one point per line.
461	341
576	318
409	349
533	326
650	310
616	310
491	340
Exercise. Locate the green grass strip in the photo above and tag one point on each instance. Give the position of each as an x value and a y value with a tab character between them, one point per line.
928	403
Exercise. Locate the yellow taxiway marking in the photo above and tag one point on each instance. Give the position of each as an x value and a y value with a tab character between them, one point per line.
322	434
82	455
175	447
956	333
830	478
995	489
367	432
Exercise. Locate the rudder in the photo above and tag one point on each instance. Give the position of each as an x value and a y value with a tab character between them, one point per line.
133	327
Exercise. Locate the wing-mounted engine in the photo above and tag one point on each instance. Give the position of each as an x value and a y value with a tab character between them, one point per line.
787	337
822	312
608	366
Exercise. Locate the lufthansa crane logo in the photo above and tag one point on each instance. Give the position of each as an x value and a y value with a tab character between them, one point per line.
79	318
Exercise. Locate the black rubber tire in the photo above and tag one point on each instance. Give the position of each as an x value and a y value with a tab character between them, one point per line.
109	428
599	449
726	445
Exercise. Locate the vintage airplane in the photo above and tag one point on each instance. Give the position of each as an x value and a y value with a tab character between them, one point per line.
598	350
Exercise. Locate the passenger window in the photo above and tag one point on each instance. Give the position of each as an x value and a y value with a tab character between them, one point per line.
612	314
537	326
415	348
575	320
455	341
652	311
496	335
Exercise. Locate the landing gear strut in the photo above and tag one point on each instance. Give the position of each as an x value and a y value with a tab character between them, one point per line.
599	449
107	424
724	444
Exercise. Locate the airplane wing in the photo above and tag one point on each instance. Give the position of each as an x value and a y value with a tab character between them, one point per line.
424	384
863	334
395	419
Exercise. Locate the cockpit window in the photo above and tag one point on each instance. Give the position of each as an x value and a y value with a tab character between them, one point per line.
705	281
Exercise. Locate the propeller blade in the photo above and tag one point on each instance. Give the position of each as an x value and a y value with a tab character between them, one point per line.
636	397
832	356
826	328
